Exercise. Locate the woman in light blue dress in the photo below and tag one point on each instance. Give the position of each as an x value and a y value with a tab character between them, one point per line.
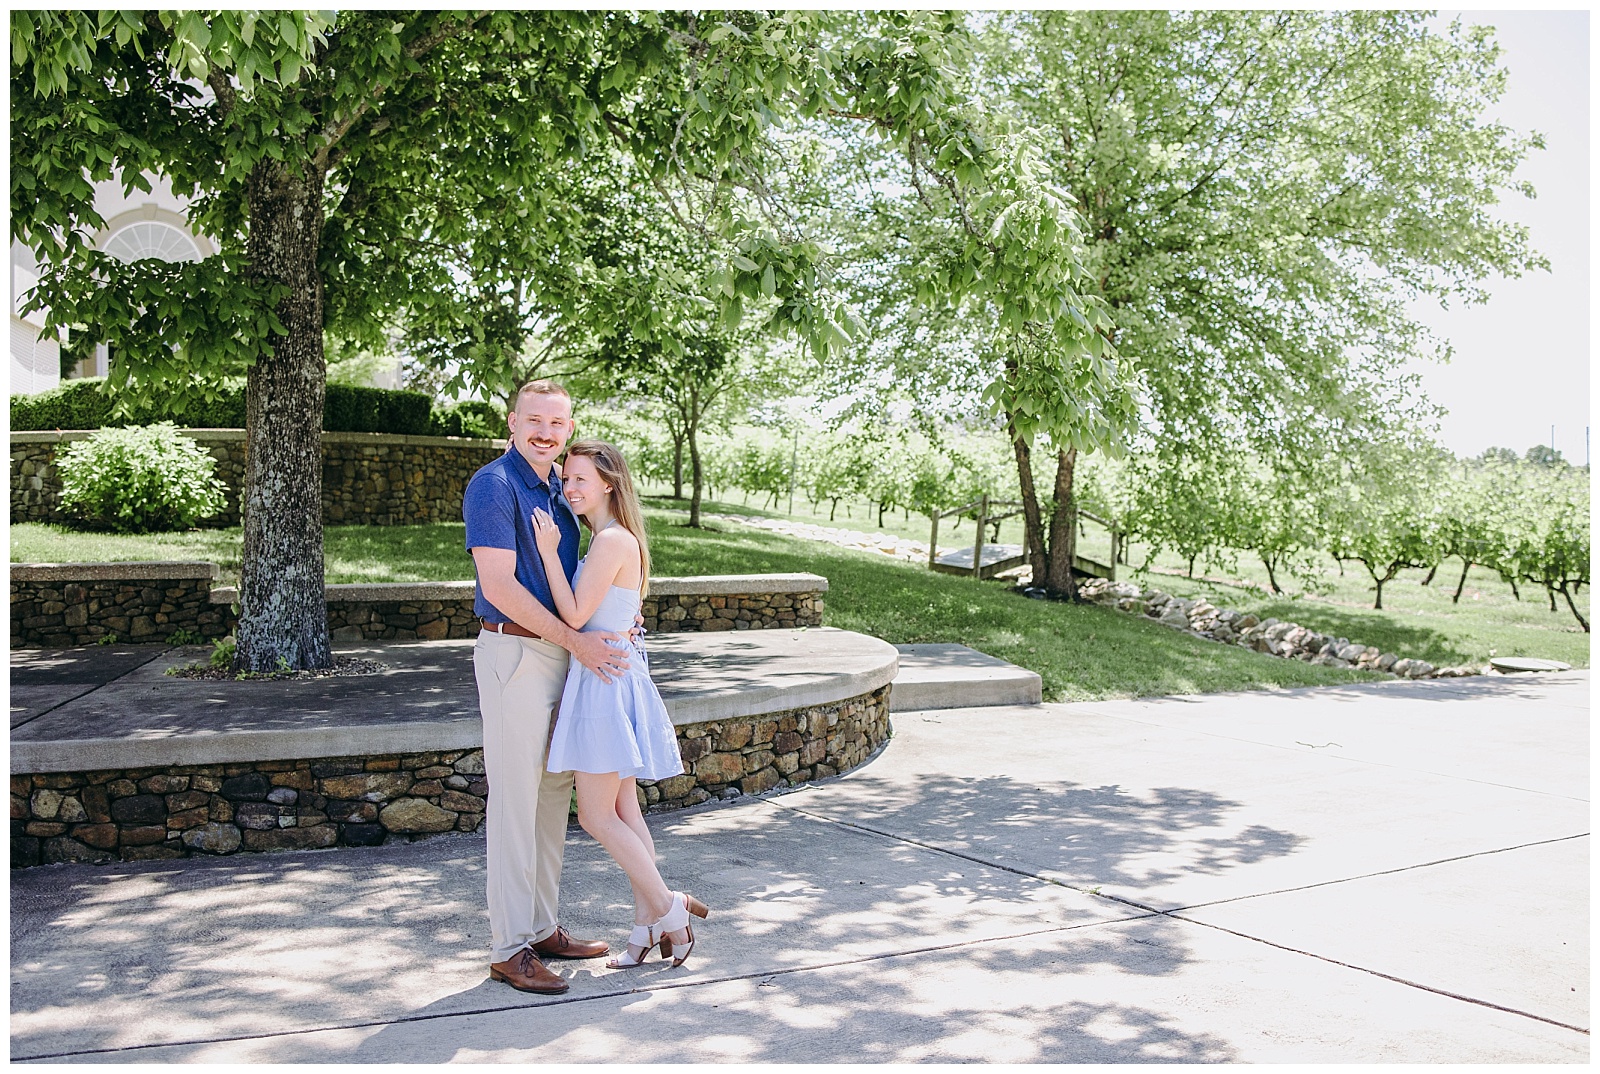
612	733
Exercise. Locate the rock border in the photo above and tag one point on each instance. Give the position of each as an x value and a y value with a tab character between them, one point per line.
1274	637
179	811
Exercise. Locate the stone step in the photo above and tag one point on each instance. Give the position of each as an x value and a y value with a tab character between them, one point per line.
947	676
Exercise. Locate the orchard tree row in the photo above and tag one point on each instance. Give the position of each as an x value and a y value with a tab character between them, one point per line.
1386	507
1383	508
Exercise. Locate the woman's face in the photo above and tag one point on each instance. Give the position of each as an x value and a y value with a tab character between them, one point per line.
581	484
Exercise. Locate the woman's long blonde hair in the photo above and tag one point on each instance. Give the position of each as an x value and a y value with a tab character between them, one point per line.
613	470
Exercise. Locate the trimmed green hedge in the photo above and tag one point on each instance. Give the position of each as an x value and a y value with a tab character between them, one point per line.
376	410
83	404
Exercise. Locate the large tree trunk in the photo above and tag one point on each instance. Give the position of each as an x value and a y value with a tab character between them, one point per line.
1063	529
283	616
1032	520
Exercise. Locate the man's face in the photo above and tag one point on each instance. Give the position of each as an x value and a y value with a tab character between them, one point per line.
540	427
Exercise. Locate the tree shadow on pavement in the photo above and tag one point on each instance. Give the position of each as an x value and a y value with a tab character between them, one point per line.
1022	1001
1087	835
270	946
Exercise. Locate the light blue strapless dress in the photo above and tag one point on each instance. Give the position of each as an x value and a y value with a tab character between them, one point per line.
618	726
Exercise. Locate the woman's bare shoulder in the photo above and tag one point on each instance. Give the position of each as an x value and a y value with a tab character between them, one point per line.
615	537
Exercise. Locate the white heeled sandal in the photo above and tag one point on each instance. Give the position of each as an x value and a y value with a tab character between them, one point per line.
642	939
677	917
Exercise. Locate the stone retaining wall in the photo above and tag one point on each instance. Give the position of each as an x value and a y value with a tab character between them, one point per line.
143	813
373	479
57	605
64	604
182	810
734	602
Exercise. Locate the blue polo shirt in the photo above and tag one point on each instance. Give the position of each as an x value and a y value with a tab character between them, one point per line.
498	508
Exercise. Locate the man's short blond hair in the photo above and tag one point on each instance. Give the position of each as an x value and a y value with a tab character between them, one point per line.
540	387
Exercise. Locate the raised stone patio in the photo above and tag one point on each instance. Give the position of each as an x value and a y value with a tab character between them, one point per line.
111	758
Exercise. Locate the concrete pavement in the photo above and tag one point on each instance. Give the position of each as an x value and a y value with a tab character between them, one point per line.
1382	872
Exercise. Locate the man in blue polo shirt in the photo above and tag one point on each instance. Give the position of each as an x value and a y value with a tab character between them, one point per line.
521	661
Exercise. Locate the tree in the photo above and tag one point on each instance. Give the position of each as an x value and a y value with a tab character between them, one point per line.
1261	191
974	300
828	469
1550	534
1183	503
306	143
1382	512
1276	516
1541	455
315	146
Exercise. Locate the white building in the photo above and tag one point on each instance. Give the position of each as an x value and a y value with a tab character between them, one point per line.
137	225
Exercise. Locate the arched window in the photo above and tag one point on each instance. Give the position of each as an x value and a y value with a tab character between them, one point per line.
152	238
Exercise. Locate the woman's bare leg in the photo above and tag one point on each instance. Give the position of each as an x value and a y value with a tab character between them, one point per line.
628	811
598	796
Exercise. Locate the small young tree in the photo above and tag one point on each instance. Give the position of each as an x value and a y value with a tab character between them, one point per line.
1550	535
1383	513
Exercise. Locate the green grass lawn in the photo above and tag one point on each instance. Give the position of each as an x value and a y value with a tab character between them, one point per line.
435	553
1082	652
1417	621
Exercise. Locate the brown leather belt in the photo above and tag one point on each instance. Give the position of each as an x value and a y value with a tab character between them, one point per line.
510	628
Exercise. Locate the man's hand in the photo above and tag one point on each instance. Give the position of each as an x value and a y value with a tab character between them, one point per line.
594	652
638	629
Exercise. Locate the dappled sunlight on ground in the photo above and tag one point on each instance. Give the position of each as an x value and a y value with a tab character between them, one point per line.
237	947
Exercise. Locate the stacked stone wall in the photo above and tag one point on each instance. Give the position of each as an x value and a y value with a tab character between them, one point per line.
79	604
676	613
749	755
182	810
371	479
401	620
131	602
173	812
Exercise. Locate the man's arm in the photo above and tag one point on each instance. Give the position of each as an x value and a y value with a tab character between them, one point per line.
497	574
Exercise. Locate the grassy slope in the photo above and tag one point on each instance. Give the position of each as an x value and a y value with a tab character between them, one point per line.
1082	652
1418	621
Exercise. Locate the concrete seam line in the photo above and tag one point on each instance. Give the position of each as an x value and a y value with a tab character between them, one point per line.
1379	973
561	1001
1380	872
969	857
92	689
1342	757
1173	914
52	708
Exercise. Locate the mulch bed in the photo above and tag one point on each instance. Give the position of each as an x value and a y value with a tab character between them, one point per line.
343	667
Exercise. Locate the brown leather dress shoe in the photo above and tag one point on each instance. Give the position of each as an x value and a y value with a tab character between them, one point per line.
560	944
527	974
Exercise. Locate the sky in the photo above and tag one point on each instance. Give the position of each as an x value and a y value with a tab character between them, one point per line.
1521	360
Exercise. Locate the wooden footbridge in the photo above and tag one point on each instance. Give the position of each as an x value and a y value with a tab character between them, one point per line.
987	559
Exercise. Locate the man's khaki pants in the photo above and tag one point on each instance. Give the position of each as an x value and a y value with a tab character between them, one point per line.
519	686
